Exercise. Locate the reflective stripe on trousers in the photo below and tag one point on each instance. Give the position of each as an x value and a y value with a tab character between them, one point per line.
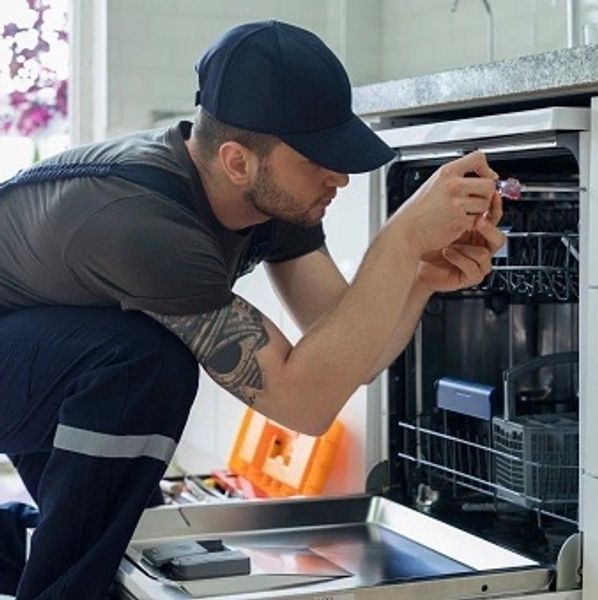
94	443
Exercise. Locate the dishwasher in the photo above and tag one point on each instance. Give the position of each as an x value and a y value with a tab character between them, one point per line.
479	493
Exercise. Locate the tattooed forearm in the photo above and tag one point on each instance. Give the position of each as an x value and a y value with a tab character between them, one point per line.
225	342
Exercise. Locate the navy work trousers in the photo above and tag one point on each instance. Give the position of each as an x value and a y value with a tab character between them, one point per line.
92	404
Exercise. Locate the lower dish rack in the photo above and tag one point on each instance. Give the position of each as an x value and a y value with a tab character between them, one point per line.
528	460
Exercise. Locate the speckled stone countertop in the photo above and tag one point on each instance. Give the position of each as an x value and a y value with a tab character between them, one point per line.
563	72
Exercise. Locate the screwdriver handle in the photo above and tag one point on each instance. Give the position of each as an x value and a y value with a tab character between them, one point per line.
513	189
509	189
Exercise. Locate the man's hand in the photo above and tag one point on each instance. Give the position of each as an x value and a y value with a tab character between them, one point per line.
467	261
447	205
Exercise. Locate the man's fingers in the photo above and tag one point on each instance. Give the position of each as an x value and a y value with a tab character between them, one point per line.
473	261
495	211
474	162
477	186
495	238
473	205
470	270
480	255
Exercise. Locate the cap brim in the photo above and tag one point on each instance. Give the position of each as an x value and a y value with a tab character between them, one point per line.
348	148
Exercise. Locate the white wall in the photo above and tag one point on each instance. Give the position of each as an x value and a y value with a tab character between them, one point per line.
152	45
423	36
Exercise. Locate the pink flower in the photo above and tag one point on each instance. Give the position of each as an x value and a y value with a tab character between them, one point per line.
61	97
34	118
45	98
17	98
10	30
42	46
40	18
14	66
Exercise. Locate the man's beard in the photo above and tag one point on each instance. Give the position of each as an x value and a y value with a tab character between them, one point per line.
271	200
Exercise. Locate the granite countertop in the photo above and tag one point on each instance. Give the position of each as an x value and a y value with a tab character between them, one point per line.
565	72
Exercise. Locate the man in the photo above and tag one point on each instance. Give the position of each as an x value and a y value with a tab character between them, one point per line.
116	273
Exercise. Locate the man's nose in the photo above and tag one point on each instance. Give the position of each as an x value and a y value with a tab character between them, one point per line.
338	180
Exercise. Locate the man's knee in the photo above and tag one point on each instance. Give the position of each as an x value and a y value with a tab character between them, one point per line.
174	368
141	379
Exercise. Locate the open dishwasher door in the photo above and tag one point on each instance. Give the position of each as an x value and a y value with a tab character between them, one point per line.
336	548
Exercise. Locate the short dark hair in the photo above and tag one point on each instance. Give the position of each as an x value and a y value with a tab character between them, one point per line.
211	133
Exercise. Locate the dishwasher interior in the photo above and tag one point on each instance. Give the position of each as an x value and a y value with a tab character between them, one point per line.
484	403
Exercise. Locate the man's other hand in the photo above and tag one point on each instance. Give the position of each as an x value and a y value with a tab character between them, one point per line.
468	260
446	207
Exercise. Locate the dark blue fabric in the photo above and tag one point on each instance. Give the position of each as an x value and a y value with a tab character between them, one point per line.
98	369
274	78
282	80
160	180
259	247
15	518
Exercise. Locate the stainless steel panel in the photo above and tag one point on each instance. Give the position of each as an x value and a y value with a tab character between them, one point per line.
372	541
529	122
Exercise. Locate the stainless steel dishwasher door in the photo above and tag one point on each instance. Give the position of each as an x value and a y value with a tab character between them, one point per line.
370	544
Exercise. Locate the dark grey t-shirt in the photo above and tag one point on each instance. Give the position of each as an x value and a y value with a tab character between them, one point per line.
106	241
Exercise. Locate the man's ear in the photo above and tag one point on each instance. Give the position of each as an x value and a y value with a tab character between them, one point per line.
238	162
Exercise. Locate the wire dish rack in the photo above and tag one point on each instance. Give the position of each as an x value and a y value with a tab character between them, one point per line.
507	471
537	265
529	460
540	259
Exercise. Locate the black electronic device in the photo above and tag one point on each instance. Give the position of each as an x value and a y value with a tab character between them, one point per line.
191	559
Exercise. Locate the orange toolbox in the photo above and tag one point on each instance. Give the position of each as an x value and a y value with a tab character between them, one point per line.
271	461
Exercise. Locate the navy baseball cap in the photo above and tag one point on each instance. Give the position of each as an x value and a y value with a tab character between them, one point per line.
274	78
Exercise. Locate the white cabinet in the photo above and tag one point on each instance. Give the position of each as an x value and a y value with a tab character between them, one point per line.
590	538
590	385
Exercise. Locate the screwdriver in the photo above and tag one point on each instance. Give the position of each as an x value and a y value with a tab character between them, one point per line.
513	189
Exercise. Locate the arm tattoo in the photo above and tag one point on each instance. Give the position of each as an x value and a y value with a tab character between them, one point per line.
225	342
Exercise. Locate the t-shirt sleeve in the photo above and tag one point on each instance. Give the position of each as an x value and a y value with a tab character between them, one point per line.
291	241
146	254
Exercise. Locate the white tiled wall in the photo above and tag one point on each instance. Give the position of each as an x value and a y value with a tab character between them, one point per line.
153	44
422	36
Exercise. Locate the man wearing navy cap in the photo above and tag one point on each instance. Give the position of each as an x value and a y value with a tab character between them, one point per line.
116	272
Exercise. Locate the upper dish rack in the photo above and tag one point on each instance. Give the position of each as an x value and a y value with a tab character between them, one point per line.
540	259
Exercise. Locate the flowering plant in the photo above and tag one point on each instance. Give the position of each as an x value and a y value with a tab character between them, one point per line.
34	76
